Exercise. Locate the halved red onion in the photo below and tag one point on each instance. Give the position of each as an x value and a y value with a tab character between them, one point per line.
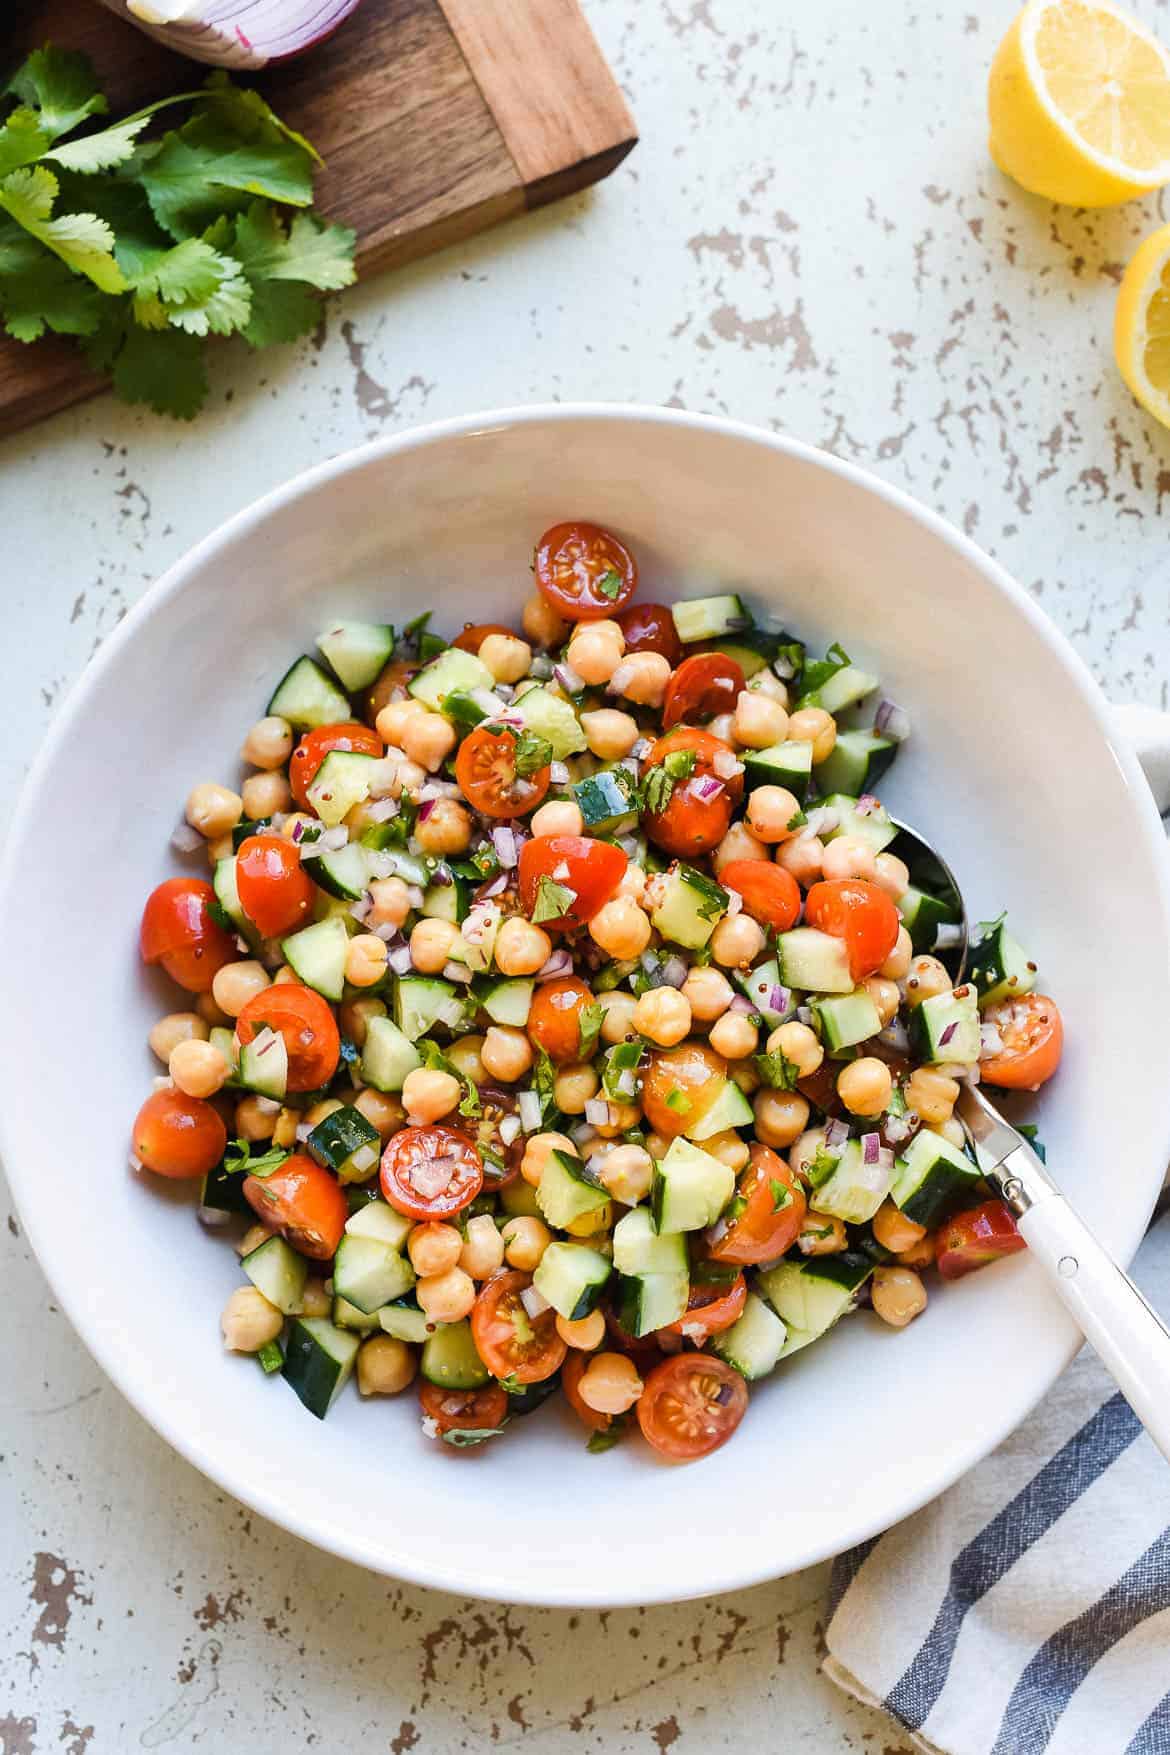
239	34
891	721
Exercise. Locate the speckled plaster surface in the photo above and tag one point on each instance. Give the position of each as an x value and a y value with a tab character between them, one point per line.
810	237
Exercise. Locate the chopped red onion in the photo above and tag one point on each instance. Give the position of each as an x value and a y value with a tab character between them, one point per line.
871	1145
570	680
414	895
400	960
642	748
821	820
509	1128
779	999
734	904
456	972
451	1014
626	1083
629	845
267	1105
482	922
804	1015
495	887
597	1112
442	875
742	1005
623	675
891	721
582	1133
212	1218
528	1105
385	931
836	1133
185	839
704	788
434	789
425	808
867	805
947	1034
784	667
298	833
382	810
135	1163
333	840
304	1129
990	1041
897	1128
560	963
895	1036
534	1302
558	773
673	972
504	842
365	1158
725	764
362	910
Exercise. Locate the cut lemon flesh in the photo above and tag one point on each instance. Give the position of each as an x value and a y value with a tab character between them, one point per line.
1141	328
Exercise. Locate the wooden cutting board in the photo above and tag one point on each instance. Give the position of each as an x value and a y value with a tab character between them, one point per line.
436	119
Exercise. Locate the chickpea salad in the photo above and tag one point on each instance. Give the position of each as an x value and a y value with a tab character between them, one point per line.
564	1014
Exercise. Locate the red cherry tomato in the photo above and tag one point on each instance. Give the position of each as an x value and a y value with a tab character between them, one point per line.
971	1239
463	1410
178	1136
431	1172
702	686
275	890
591	869
649	627
767	1213
316	745
679	1085
509	1341
571	1375
178	932
485	768
1033	1042
304	1202
690	824
770	894
859	912
475	633
554	1017
308	1026
712	1306
691	1404
586	574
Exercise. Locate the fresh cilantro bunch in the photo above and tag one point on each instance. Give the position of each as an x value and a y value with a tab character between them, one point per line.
142	249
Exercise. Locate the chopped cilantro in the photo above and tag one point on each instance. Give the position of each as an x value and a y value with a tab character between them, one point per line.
589	1022
657	787
269	1358
817	674
531	753
543	1081
798	821
610	584
679	1102
777	1071
822	1166
607	1437
625	1057
789	660
680	764
238	1156
781	1195
553	901
217	912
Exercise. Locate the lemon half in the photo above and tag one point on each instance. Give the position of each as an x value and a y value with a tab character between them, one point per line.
1141	326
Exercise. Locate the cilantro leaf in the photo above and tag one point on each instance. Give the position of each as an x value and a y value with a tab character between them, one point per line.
239	1157
531	753
22	141
195	288
589	1021
817	674
208	167
282	267
781	1194
543	1081
777	1071
610	584
553	900
680	764
599	1442
163	369
61	85
624	1058
679	1102
657	786
101	152
84	242
37	291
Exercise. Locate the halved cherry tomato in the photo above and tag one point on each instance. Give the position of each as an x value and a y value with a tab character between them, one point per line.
770	894
275	890
308	1026
304	1202
463	1410
509	1341
649	627
691	824
485	768
475	633
768	1212
591	869
554	1017
431	1172
679	1085
585	572
571	1375
702	686
859	912
1033	1042
178	1136
691	1405
971	1239
316	745
712	1306
178	932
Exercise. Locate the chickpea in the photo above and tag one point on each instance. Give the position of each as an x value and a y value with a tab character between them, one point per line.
610	1383
897	963
743	1073
507	1053
249	1321
622	1117
893	874
391	902
176	1027
729	1149
664	1015
365	960
525	1241
537	1151
586	1334
221	848
865	1086
738	843
894	1231
595	651
428	739
925	978
431	943
446	1297
805	1150
758	720
315	1300
321	1111
627	1172
560	816
428	1096
466	1056
847	856
284	1133
483	1248
433	1248
506	657
213	810
921	1254
813	725
633	883
380	1110
617	1021
255	1118
885	996
521	948
642	677
285	973
781	1116
822	1234
802	857
734	1036
770	811
253	1237
446	830
798	1044
236	983
392	721
620	928
931	1095
610	733
723	726
354	1018
765	682
737	941
263	795
269	743
898	1295
953	1132
541	622
574	1086
385	1366
708	992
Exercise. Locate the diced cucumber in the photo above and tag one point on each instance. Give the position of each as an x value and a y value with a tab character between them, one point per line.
638	1249
856	763
368	1273
347	1315
730	1108
843	689
572	1278
477	940
929	1175
608	802
225	1042
508	1001
709	618
264	1065
449	1358
393	861
847	1018
448	902
753	649
223	882
1000	967
690	1189
690	906
612	975
357	651
553	718
318	1360
923	914
946	1026
346	1143
405	1321
388	1055
565	1193
317	955
870	824
279	1272
223	1191
379	1220
813	961
421	1002
453	671
269	1357
466	710
760	985
855	1190
810	1296
787	764
754	1343
344	872
342	780
248	826
649	1301
306	697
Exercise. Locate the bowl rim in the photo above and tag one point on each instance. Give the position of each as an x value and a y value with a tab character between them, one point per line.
116	1361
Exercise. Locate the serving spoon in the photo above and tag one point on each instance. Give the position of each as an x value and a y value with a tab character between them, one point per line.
1128	1336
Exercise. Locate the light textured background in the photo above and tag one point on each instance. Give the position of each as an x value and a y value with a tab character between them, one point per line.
810	236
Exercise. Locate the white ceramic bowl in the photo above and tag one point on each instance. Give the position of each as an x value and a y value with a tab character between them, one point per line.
1010	769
